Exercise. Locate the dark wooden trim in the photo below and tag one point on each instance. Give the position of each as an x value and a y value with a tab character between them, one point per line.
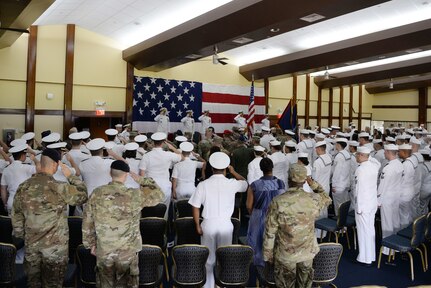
423	104
327	117
395	106
266	93
331	100
31	79
350	103
85	113
129	93
307	100
50	113
294	88
340	109
360	108
12	111
319	107
68	78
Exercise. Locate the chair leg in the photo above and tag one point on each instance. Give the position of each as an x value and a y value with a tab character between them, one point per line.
329	237
354	237
321	235
422	258
336	236
166	267
411	266
380	257
348	240
333	285
426	255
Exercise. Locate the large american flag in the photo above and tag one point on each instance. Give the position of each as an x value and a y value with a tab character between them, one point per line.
251	111
223	101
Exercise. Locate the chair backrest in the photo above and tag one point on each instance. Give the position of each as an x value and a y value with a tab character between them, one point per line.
419	226
87	265
75	234
325	263
155	211
6	229
153	231
150	258
236	227
343	212
7	263
233	264
189	265
185	231
183	208
428	229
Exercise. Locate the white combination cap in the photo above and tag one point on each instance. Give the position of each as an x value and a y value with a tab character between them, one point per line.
163	109
320	143
320	136
400	137
415	141
259	148
181	138
95	144
405	147
311	132
85	134
158	136
18	142
391	147
302	155
410	131
109	145
424	151
18	148
335	127
119	125
140	138
186	147
131	146
267	129
290	143
353	143
390	139
364	150
364	135
75	136
28	136
289	132
127	125
275	143
57	145
219	160
53	137
111	132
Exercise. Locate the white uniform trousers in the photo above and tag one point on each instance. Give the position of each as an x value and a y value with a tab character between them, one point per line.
185	190
366	237
405	214
166	187
216	232
390	215
339	197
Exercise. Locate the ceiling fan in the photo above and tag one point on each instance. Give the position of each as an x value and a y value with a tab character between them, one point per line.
217	59
327	76
18	30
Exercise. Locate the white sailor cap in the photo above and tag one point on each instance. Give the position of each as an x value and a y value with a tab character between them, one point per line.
158	136
410	131
57	145
28	136
320	143
289	132
290	143
351	123
424	151
111	132
181	138
259	148
53	137
275	143
219	160
415	141
304	131
311	132
131	146
302	155
325	131
390	139
333	127
407	137
353	143
189	111
377	141
340	140
320	136
75	136
119	125
18	142
186	147
391	147
340	134
18	148
95	144
400	137
140	138
405	147
364	150
126	125
109	145
267	129
364	135
85	134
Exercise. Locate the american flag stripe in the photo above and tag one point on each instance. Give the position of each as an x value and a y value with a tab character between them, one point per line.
251	111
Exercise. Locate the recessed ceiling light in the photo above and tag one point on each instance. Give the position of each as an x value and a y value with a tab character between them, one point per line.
382	57
275	30
414	50
312	17
137	23
193	56
242	40
352	63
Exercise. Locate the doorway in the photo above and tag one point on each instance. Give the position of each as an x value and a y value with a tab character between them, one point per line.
96	125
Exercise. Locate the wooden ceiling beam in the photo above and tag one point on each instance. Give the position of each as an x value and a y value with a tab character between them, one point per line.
399	84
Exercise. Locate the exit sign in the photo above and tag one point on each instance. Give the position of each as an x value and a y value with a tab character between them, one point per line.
100	112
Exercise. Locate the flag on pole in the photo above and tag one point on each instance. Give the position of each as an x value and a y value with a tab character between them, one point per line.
251	111
288	119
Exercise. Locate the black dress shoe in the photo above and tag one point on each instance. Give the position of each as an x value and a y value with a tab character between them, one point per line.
362	264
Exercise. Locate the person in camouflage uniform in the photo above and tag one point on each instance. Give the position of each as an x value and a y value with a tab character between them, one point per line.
39	217
110	226
289	240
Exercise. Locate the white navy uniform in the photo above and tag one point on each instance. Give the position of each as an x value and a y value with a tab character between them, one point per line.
341	178
205	123
322	174
95	172
217	195
306	146
134	167
240	121
13	176
156	164
117	148
281	166
185	173
140	152
292	158
59	176
265	122
188	124
425	193
366	206
353	166
77	156
254	172
407	192
415	203
388	194
85	150
162	123
264	141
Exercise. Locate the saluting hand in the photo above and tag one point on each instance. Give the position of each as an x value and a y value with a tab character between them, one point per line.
66	171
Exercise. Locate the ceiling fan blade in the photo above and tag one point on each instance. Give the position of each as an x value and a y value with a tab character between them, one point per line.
222	62
15	30
223	58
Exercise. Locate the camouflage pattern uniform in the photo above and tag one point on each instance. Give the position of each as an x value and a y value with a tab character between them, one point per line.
111	224
39	217
289	240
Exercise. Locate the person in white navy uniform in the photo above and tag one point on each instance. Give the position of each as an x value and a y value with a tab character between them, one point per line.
85	139
60	147
266	138
425	191
76	152
407	184
366	205
130	153
281	165
265	122
205	122
163	121
340	174
290	152
240	120
140	140
306	145
111	134
217	195
254	171
16	173
188	123
419	159
389	192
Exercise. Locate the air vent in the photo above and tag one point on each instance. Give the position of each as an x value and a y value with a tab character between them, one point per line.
193	56
242	40
414	50
352	63
312	18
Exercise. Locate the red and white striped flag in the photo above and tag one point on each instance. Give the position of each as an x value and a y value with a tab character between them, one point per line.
251	111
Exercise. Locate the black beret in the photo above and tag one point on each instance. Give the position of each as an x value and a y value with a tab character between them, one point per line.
120	165
52	153
45	133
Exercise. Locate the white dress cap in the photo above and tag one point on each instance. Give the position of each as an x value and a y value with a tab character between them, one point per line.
289	132
181	139
95	144
18	142
219	160
424	152
290	143
186	147
109	145
85	134
391	147
340	140
335	127
259	148
405	147
320	143
53	137
28	136
275	143
140	138
302	155
325	131
377	141
311	132
267	129
18	148
111	132
320	136
76	136
119	125
158	136
305	132
415	141
131	146
364	135
57	145
390	139
410	131
364	150
353	143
